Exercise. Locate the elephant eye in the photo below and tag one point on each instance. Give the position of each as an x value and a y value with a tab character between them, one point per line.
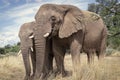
52	18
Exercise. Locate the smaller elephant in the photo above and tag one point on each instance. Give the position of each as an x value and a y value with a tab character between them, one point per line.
28	49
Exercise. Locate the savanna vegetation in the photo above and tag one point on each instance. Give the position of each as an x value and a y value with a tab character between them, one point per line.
10	49
12	68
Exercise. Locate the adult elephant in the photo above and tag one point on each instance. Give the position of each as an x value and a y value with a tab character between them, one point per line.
28	49
71	28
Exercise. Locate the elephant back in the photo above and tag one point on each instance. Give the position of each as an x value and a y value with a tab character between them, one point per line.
90	16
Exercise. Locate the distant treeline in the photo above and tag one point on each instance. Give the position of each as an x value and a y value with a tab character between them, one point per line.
10	48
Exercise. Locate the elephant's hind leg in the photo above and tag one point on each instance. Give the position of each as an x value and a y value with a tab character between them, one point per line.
101	52
90	56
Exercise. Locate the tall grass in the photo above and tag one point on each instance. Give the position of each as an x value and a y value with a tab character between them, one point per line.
12	68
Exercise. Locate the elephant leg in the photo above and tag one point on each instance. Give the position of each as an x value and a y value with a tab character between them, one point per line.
25	54
101	52
50	54
90	56
48	68
50	57
75	53
33	59
59	54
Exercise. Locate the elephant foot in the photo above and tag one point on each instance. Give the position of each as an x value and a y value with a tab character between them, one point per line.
43	76
64	73
27	78
56	72
51	75
36	76
32	77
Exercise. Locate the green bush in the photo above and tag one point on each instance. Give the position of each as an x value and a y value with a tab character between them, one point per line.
2	51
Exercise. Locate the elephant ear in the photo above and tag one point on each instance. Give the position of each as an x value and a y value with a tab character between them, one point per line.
72	24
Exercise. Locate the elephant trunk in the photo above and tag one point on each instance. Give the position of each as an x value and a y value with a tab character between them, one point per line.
40	44
25	54
40	54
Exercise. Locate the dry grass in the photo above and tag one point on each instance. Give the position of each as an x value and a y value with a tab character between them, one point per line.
11	68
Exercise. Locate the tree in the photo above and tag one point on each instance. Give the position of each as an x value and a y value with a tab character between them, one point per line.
7	48
2	51
109	10
12	48
15	48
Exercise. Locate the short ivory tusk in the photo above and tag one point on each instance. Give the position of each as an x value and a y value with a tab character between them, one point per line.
31	49
46	35
31	36
19	52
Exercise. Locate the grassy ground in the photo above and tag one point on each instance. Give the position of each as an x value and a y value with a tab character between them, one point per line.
11	68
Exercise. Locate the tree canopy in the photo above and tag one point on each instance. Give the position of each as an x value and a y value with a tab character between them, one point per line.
109	10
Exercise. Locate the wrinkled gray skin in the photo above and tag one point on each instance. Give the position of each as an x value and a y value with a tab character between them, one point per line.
69	30
26	31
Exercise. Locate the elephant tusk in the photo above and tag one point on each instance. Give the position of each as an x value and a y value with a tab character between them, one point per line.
31	36
19	53
46	35
31	49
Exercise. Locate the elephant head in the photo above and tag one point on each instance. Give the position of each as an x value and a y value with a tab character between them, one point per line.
61	20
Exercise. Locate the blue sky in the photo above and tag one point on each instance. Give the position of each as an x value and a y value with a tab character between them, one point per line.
13	13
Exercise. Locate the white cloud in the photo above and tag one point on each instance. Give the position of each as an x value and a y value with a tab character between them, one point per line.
9	35
25	13
21	11
18	16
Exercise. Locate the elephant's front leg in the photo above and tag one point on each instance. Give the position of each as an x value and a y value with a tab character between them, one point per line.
75	53
59	53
